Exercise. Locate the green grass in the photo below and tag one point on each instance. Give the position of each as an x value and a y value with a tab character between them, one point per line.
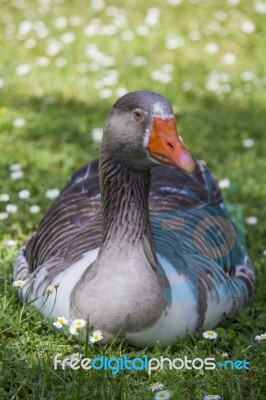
61	106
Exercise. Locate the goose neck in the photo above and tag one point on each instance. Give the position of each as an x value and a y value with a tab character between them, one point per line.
125	194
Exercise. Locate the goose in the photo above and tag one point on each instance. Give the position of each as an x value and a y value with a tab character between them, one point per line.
139	241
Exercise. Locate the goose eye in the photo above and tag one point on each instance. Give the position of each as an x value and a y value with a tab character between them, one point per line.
138	116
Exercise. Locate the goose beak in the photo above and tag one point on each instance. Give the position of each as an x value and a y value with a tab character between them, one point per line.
166	147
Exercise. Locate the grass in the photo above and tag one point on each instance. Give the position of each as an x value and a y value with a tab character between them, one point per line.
62	102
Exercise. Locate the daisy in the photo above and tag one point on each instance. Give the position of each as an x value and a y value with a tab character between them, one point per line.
19	283
52	194
49	290
24	194
10	242
74	330
155	386
19	122
210	335
11	208
80	323
212	397
34	209
252	220
248	143
224	183
163	394
96	336
261	337
76	326
60	322
3	216
4	197
16	175
75	356
15	167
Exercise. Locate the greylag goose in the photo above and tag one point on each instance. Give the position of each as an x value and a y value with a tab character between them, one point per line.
140	241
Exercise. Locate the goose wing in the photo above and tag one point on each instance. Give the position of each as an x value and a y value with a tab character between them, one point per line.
72	225
196	239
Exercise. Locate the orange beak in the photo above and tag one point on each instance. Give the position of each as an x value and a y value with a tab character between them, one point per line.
166	147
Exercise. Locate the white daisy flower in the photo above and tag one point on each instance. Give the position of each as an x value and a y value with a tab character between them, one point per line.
18	283
212	397
75	356
248	27
248	143
211	48
229	58
3	216
155	386
260	7
60	22
52	194
11	209
76	326
74	330
96	336
60	322
24	194
224	183
23	69
15	167
210	335
56	285
68	38
163	394
261	337
80	323
252	220
16	175
34	209
10	243
4	197
19	122
49	289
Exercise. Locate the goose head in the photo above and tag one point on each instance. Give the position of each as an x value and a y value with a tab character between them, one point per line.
141	133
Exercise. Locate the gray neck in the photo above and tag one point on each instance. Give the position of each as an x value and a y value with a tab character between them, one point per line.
125	207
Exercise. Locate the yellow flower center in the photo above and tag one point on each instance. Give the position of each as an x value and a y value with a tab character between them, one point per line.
263	337
20	283
210	333
60	320
162	395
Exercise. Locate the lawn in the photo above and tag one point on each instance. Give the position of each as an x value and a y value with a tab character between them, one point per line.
63	64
